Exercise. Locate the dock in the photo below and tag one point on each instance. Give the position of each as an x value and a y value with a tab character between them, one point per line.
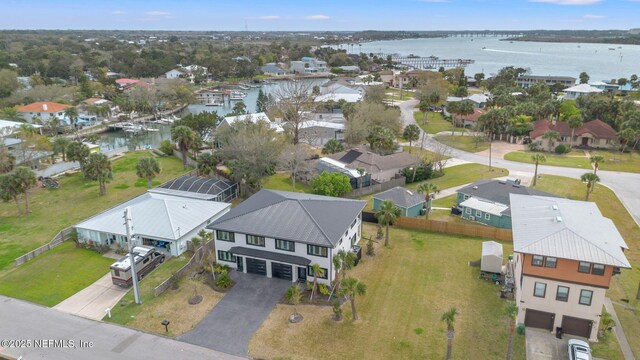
425	62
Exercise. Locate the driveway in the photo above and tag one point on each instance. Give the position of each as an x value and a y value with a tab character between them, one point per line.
233	321
92	301
542	345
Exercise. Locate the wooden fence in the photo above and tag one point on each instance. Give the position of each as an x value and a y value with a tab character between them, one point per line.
457	229
193	262
62	236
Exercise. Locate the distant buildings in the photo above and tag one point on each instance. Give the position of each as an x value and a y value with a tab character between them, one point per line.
273	69
43	111
525	81
575	92
189	73
594	133
308	65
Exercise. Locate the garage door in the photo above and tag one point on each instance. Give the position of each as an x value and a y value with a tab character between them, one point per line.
539	319
282	271
576	326
255	266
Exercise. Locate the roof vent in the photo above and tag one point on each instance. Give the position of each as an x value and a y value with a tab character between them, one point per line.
44	107
409	192
475	187
558	219
554	207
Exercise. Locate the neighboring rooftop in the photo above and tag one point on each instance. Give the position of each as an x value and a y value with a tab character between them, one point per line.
372	162
254	118
486	206
597	127
204	188
311	219
583	89
401	197
43	106
567	229
498	191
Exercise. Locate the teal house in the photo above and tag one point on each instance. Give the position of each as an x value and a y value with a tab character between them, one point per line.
409	202
487	201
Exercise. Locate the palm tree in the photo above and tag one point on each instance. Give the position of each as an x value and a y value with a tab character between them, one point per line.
429	190
387	215
424	107
207	163
511	310
449	317
72	114
574	122
361	172
350	288
343	261
591	179
98	168
77	151
10	189
551	136
148	168
411	133
596	160
537	159
317	272
184	136
27	179
11	113
60	145
293	297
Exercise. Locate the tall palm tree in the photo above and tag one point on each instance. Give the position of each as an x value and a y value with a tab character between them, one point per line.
184	136
537	159
596	160
429	190
317	272
449	317
206	164
293	295
511	310
98	168
343	261
551	136
424	107
574	122
148	168
388	215
27	179
411	133
591	179
77	151
10	189
60	145
72	114
352	287
361	172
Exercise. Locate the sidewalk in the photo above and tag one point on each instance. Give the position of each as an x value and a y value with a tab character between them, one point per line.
622	339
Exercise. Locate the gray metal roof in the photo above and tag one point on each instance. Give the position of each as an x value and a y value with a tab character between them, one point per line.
498	191
312	219
156	216
269	255
566	229
401	197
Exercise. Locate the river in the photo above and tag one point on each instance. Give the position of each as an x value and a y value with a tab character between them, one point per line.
540	58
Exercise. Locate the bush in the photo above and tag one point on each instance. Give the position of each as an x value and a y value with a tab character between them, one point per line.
166	147
534	147
337	309
224	281
520	329
309	285
423	172
562	149
324	289
370	249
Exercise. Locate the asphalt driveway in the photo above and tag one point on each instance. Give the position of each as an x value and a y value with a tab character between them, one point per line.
233	321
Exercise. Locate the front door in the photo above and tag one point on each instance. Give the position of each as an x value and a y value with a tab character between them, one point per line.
585	141
302	274
240	263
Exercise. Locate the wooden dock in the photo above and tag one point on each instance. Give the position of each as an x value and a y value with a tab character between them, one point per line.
425	63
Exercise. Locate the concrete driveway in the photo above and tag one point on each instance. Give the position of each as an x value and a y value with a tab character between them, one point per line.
542	345
92	301
233	321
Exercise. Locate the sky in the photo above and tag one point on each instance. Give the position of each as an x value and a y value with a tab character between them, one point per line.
305	15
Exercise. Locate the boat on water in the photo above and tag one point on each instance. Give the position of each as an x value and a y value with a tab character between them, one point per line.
237	95
243	87
133	128
152	129
612	48
165	121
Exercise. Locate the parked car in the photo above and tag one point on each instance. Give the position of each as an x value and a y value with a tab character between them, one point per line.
579	350
456	210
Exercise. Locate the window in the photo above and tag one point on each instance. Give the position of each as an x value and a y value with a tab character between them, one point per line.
468	211
540	289
537	260
354	222
478	213
116	273
585	297
487	216
597	269
562	294
325	273
584	267
225	236
316	250
285	245
226	256
466	197
550	262
255	240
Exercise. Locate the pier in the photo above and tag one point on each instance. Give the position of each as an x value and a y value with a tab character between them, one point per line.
425	63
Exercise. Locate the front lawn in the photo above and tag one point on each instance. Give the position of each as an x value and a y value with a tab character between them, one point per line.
55	275
462	174
75	200
409	286
447	201
614	161
435	122
466	143
282	181
575	159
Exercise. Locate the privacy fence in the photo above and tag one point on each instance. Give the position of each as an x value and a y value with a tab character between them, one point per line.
456	229
57	240
195	260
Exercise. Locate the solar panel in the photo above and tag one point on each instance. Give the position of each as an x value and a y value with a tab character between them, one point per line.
350	156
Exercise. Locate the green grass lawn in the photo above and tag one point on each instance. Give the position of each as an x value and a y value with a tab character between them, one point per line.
282	181
623	286
421	153
75	200
467	143
445	215
409	286
55	275
395	94
447	201
435	122
462	174
573	159
615	161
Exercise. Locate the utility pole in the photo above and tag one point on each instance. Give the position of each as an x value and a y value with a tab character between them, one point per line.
128	223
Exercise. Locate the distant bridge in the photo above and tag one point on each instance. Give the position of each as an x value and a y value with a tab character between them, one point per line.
425	63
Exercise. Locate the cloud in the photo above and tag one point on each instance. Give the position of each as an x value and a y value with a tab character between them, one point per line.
157	13
568	2
118	12
589	16
317	17
265	17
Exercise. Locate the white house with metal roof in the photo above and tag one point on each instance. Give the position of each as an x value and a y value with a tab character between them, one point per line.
281	234
161	220
566	254
254	118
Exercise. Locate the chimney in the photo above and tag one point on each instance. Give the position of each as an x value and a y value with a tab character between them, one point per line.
44	107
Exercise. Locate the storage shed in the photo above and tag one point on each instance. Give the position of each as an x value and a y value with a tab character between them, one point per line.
491	257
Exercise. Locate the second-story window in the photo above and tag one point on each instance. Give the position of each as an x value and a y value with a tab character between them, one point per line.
317	250
225	236
550	262
285	245
585	297
537	260
562	294
584	267
597	269
255	240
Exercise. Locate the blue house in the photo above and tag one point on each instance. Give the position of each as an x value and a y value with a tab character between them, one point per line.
409	202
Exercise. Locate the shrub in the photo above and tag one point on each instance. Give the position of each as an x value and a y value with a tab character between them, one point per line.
309	285
337	309
562	149
534	147
224	281
166	147
324	289
520	329
221	269
423	172
370	249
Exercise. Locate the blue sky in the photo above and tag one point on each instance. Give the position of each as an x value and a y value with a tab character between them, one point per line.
305	15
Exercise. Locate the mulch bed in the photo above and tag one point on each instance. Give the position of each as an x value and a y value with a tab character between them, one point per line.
195	300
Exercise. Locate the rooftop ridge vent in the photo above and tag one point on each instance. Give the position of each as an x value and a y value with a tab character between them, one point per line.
558	219
409	192
554	207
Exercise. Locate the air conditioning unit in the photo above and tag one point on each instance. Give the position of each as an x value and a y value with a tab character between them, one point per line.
472	218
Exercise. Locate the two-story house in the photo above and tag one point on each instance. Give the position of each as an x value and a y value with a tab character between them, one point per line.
43	111
566	253
281	234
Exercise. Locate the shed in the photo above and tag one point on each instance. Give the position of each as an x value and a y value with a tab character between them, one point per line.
491	257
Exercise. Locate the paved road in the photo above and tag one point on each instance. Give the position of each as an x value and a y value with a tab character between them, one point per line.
624	184
92	301
233	321
22	320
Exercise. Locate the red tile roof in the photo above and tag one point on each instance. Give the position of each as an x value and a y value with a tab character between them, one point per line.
472	117
40	107
597	128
